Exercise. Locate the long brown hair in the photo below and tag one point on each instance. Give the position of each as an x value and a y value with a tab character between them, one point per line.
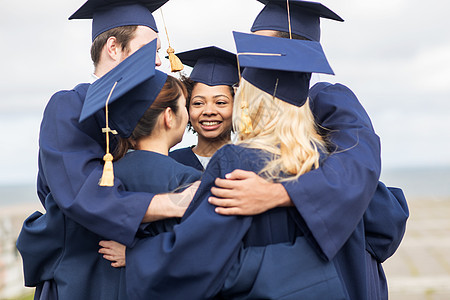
172	90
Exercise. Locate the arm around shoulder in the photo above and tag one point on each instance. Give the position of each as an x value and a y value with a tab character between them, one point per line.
346	181
70	160
246	193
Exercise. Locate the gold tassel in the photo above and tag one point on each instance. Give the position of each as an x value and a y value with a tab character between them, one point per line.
245	117
175	62
108	172
246	121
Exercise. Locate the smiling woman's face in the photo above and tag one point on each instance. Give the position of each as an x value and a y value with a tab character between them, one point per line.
210	110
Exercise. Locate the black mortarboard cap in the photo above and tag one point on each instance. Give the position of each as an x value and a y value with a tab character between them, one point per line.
109	14
211	65
304	17
280	67
138	85
125	93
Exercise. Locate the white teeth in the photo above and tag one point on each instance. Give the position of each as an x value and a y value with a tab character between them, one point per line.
210	123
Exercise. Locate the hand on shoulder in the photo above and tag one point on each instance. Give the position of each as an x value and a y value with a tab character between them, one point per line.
246	193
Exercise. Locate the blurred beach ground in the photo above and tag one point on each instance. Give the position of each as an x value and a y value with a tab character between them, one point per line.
11	274
420	269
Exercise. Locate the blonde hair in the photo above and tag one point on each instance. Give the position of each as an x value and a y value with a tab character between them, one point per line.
284	130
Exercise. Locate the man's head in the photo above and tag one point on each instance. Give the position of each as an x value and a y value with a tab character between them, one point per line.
119	29
124	81
111	47
301	19
281	34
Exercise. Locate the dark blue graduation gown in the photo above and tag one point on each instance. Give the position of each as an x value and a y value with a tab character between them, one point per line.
61	259
351	177
147	171
61	249
333	198
199	257
346	182
187	157
385	225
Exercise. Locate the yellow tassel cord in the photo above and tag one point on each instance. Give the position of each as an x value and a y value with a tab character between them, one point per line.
175	62
289	19
245	117
108	171
246	120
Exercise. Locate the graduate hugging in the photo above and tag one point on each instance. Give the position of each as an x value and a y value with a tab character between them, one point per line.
292	209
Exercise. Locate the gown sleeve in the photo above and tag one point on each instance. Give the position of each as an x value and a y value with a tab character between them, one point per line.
187	157
70	161
385	222
333	198
196	257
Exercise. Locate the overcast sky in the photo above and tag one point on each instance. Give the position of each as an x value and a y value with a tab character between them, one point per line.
394	54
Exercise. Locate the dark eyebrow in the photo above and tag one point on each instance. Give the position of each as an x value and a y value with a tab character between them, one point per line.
221	95
198	96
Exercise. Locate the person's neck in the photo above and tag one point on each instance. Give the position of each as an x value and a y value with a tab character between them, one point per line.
207	147
102	68
153	144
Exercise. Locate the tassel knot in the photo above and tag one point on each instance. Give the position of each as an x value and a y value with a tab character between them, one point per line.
108	172
175	62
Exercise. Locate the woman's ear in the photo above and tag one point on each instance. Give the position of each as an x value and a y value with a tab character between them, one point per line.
169	118
132	142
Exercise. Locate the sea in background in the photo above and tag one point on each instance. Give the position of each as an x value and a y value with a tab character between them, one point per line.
19	153
21	117
416	183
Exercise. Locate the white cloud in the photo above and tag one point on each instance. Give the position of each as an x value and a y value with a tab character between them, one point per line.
432	69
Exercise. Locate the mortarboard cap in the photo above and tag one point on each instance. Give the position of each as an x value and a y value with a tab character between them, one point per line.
125	93
211	66
126	112
138	84
280	67
304	17
109	14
